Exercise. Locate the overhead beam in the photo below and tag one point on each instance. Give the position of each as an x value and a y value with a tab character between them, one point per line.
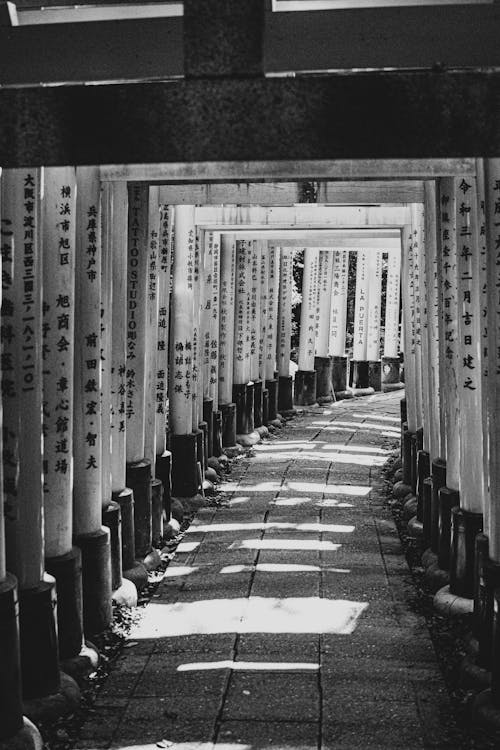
315	119
303	216
288	193
313	239
395	37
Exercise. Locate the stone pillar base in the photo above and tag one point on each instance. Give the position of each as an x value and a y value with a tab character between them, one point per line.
414	453
11	707
157	511
407	440
67	571
38	640
359	378
138	478
375	375
184	465
208	417
65	700
324	386
201	445
240	399
390	374
163	471
217	434
26	738
125	500
229	420
426	511
111	517
96	580
284	397
305	387
340	377
465	526
258	420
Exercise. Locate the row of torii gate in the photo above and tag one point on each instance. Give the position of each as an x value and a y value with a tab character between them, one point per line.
143	336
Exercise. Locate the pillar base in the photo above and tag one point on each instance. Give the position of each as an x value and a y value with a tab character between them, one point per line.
240	400
11	707
438	474
284	396
465	527
111	518
390	374
67	571
38	640
249	439
340	377
156	511
358	374
127	594
79	667
423	472
447	500
26	738
201	445
250	401
305	387
217	434
426	511
272	398
324	386
184	465
163	471
258	419
208	417
228	413
65	700
375	375
138	478
137	574
265	406
407	440
125	500
414	453
96	580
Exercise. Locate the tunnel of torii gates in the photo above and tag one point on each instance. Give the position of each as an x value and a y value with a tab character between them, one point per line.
144	336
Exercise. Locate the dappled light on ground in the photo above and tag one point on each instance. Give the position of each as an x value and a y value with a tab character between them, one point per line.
280	568
250	666
331	528
249	615
293	544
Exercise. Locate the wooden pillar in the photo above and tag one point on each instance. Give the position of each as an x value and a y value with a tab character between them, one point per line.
305	377
373	319
359	373
492	205
23	496
390	358
226	339
467	521
322	360
242	387
138	466
338	324
285	381
182	438
20	200
92	538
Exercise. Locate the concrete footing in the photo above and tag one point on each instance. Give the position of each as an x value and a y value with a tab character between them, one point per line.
375	375
217	433
163	471
11	707
340	377
272	399
111	518
27	737
208	417
228	412
324	386
156	511
63	701
390	374
465	526
285	396
184	465
138	478
258	419
450	605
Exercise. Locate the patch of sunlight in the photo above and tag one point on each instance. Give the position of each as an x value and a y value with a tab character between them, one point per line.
250	666
174	745
282	445
332	502
280	568
295	544
332	428
179	571
291	501
187	546
359	425
356	458
271	525
238	500
353	448
378	417
249	615
330	489
258	487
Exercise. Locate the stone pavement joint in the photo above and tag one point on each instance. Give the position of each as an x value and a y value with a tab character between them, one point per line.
284	620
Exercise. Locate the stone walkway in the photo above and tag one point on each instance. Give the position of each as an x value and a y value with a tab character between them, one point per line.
283	620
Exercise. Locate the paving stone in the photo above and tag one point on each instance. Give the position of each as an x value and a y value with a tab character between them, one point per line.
272	696
374	735
261	735
151	721
293	646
